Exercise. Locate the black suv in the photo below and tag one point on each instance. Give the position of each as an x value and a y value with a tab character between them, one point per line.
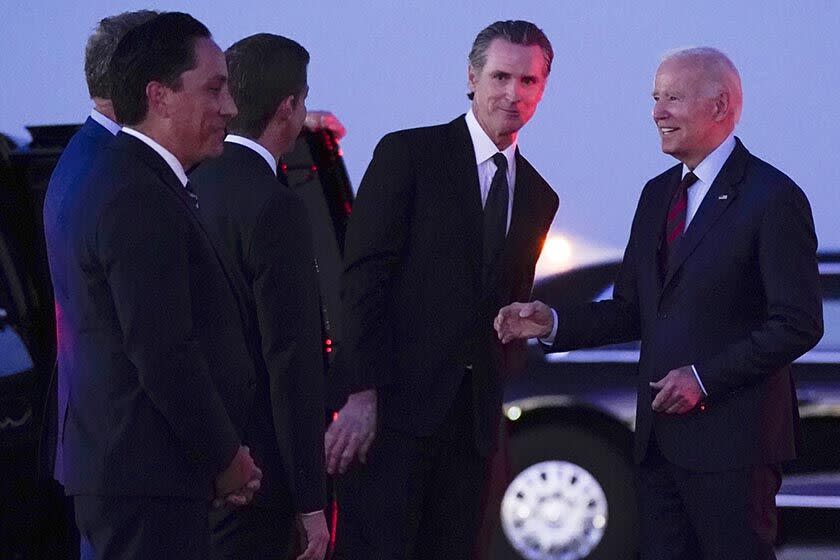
33	513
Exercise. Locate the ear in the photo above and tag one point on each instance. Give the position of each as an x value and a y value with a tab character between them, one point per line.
285	109
158	97
722	106
472	77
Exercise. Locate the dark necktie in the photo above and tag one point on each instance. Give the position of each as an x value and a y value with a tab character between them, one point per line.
190	196
675	221
495	215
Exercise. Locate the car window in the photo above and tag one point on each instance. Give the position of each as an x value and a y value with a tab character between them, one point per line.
14	357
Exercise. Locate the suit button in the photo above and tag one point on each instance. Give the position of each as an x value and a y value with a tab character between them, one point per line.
663	315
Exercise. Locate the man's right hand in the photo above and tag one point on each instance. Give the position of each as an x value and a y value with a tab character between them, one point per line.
237	484
351	433
524	320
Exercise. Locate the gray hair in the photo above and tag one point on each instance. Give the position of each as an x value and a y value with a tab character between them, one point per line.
718	70
518	32
101	46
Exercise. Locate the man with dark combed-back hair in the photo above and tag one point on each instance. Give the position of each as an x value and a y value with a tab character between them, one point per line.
447	227
158	373
262	230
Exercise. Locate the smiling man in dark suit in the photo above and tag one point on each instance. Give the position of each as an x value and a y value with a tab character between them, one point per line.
158	374
720	283
447	227
263	231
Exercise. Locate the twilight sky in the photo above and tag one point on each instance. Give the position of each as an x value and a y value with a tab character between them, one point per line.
384	65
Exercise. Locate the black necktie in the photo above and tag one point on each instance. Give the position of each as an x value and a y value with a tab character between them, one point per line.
191	196
675	221
495	215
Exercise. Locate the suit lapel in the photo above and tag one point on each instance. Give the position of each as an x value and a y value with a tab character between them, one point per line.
462	174
157	163
721	194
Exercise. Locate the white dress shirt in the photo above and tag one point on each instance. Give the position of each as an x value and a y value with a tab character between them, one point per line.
257	147
107	123
167	156
706	172
485	149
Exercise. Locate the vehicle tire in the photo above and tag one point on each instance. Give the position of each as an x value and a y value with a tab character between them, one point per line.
543	449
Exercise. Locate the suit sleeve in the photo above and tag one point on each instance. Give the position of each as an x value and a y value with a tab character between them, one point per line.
793	323
285	288
376	236
609	321
142	245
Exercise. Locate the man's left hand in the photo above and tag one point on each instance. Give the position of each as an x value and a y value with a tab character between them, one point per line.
324	120
314	536
678	393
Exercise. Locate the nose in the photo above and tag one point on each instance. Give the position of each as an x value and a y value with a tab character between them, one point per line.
514	91
228	107
659	110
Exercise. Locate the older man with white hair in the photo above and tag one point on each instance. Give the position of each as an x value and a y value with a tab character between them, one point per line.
720	283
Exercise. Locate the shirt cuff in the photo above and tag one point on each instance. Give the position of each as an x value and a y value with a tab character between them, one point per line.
697	377
549	340
311	513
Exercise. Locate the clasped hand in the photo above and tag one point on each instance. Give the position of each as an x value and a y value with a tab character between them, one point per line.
519	321
238	483
678	392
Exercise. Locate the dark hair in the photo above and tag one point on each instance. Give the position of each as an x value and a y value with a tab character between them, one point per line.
101	46
263	70
159	50
518	32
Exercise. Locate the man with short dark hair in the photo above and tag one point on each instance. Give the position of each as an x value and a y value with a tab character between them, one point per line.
262	230
77	159
448	224
720	282
156	364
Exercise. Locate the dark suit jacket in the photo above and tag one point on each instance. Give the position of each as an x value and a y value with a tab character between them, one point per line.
73	166
263	232
415	314
740	301
153	353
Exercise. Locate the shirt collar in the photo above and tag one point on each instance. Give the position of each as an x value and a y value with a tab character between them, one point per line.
484	146
257	147
708	169
167	156
107	123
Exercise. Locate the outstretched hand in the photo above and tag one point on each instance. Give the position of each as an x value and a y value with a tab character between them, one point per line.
523	320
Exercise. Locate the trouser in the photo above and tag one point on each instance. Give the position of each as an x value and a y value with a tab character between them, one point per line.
687	515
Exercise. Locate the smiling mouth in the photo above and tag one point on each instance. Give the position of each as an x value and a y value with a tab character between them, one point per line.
668	129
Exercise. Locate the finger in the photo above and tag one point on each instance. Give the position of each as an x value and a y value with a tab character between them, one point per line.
526	310
661	397
253	485
349	452
363	449
334	455
658	384
236	499
677	408
256	473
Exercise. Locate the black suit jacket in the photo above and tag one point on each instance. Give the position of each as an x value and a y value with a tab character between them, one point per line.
153	352
75	163
415	314
740	301
263	231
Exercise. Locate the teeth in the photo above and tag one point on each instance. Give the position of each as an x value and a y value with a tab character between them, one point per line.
667	129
